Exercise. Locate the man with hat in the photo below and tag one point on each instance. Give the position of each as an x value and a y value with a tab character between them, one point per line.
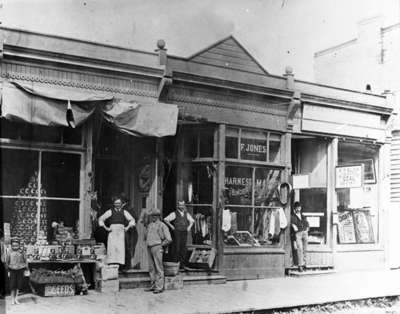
182	223
300	228
157	236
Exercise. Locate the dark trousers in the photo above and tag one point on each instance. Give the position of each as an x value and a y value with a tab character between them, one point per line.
179	250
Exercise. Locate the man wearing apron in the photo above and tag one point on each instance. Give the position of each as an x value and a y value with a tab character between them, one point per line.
116	237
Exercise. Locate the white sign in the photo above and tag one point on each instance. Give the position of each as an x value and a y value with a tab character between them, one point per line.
349	176
301	181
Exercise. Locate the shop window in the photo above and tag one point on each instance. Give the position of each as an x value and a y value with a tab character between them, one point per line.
40	134
251	217
247	145
358	206
23	207
310	184
198	143
198	193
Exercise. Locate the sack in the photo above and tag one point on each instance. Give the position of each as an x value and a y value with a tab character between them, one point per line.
27	273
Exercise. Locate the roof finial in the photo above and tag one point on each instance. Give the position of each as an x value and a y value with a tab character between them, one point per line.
162	52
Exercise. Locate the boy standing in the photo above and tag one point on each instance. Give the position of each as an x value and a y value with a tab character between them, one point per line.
157	236
16	265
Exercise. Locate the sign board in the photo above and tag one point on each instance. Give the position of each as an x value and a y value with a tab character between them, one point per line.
60	290
346	231
301	181
363	226
253	149
349	176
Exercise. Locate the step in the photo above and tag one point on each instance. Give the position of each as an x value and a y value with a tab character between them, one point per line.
296	273
144	282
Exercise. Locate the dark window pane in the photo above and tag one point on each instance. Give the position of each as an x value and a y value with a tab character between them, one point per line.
202	184
72	136
231	147
266	183
190	145
8	129
60	174
238	185
206	143
19	170
66	212
274	148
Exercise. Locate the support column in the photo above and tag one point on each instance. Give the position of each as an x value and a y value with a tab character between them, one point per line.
286	146
331	195
219	205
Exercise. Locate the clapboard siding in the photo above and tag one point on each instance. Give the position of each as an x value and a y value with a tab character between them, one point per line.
395	169
228	54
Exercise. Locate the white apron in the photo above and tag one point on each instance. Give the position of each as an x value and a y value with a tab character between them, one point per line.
116	245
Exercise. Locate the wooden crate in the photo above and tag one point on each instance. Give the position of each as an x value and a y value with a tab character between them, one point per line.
202	258
108	272
107	286
173	283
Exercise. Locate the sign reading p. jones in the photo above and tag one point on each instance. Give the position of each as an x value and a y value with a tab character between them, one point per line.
349	176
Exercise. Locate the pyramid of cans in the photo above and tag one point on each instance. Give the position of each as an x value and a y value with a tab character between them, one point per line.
24	220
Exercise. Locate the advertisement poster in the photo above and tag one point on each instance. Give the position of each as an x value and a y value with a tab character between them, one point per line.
363	227
346	231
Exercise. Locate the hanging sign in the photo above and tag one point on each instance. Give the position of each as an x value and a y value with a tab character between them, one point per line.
349	176
253	149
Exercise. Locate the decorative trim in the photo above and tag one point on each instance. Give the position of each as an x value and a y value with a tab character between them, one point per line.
226	100
79	79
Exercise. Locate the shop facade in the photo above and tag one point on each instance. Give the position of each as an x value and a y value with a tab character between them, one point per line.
246	145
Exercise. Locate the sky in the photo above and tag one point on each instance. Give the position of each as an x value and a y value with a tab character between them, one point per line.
277	33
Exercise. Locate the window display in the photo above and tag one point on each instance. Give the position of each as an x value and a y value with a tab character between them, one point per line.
359	202
254	217
46	189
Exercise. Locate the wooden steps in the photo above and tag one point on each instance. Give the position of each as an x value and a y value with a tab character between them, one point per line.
133	279
311	270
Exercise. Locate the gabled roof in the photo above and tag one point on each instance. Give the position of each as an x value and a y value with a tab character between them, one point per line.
228	53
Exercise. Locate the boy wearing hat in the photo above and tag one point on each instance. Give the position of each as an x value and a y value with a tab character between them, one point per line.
300	228
157	236
182	223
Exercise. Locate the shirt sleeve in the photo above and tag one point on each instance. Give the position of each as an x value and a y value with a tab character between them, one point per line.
103	217
167	235
190	218
129	217
170	217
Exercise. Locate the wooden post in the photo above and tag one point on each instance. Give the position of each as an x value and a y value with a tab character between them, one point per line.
287	160
219	206
86	178
331	195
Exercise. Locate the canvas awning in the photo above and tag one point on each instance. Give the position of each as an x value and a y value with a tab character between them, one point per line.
63	107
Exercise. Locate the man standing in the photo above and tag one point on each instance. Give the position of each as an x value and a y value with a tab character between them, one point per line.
182	223
157	236
300	231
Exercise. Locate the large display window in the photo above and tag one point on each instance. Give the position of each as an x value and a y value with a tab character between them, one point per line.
39	185
357	195
250	192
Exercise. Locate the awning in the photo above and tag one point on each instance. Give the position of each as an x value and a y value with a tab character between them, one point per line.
61	107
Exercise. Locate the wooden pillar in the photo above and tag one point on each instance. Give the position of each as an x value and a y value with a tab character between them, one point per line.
331	195
86	186
219	185
286	147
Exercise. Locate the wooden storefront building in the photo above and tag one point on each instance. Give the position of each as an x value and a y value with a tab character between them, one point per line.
243	139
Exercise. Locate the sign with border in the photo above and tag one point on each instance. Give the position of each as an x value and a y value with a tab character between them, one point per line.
349	176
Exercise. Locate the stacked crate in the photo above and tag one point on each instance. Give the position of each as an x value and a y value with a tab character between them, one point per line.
107	280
